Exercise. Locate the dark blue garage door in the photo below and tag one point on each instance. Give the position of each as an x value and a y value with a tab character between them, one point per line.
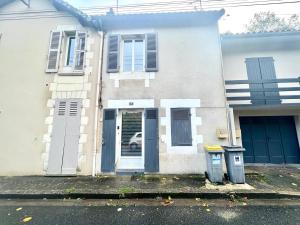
270	139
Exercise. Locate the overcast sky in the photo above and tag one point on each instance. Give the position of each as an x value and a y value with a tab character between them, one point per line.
234	19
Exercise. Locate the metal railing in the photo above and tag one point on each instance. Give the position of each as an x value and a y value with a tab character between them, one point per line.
263	92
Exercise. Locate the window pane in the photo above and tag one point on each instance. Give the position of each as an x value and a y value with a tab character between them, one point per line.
181	127
131	134
71	50
139	55
127	58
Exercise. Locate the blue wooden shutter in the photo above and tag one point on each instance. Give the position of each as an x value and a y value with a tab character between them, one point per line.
267	70
108	141
181	130
151	53
113	54
254	74
151	141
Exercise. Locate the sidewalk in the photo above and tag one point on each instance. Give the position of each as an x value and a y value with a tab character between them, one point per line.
262	182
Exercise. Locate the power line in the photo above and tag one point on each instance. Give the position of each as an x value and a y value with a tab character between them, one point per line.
186	5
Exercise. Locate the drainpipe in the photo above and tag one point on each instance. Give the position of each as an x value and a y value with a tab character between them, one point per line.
98	101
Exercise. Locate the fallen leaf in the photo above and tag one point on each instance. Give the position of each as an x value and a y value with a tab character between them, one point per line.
19	209
27	219
119	209
207	210
167	202
294	184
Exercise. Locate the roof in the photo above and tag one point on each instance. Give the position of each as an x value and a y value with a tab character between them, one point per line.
60	5
260	34
113	21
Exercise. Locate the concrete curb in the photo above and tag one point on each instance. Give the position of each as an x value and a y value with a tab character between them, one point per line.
202	195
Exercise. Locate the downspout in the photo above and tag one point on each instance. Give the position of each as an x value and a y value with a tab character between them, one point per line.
98	101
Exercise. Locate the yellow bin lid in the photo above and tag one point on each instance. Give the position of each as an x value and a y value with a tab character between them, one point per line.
213	147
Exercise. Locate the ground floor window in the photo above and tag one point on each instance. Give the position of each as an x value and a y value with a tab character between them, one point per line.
181	130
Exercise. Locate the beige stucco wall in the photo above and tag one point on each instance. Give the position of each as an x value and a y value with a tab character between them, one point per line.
284	49
189	62
26	91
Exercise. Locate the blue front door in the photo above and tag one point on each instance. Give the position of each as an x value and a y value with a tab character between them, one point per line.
270	139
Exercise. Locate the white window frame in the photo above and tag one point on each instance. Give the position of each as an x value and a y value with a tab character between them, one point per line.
132	52
193	104
67	49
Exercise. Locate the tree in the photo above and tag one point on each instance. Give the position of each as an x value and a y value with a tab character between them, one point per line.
268	21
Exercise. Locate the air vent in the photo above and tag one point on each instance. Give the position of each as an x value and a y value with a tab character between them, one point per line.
62	108
73	108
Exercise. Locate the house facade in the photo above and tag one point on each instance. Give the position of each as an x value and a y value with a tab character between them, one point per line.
50	54
163	93
262	73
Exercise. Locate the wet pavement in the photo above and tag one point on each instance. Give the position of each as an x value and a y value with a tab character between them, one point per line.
274	177
187	212
260	179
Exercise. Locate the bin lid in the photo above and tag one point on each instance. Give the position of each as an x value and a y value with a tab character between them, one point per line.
213	148
234	148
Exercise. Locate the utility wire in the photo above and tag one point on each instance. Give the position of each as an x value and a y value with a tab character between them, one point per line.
186	5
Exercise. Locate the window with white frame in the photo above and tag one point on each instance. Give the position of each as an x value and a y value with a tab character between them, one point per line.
66	52
133	59
132	53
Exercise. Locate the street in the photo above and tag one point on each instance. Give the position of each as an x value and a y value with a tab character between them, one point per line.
178	211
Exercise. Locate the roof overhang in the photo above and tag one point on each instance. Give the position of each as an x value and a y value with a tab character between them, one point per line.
60	5
168	19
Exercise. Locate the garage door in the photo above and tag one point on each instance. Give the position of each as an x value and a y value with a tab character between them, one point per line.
270	139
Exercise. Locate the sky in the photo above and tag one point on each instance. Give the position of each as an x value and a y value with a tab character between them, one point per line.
234	19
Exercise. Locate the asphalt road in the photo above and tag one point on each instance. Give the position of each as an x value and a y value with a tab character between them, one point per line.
147	213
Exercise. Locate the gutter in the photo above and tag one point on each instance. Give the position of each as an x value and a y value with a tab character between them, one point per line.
98	101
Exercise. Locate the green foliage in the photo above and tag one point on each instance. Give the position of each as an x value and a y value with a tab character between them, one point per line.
268	21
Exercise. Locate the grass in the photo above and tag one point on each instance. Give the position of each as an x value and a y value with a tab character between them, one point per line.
70	190
126	189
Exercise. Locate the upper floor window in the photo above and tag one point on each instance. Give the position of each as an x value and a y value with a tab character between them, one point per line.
132	53
71	45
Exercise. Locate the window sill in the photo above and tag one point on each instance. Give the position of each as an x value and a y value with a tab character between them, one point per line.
70	72
132	75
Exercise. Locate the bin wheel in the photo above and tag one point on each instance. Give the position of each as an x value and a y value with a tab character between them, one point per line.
206	175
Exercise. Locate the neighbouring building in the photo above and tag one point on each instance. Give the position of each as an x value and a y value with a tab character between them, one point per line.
262	75
163	92
50	55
